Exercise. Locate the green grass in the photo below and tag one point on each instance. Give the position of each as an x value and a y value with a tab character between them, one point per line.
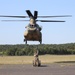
43	58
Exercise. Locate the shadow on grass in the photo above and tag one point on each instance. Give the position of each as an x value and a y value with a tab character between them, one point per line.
65	62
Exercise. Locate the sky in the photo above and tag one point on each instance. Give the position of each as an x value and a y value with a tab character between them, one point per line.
52	33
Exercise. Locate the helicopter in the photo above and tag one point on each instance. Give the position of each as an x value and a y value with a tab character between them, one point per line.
33	30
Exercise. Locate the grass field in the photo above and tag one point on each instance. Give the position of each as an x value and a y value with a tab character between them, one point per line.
43	58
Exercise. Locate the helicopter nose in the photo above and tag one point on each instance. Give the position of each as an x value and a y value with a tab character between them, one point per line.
32	25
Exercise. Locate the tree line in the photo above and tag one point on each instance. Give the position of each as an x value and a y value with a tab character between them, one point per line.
21	49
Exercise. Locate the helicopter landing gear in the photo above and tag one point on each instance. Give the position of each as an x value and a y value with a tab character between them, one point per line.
40	38
36	61
25	41
40	42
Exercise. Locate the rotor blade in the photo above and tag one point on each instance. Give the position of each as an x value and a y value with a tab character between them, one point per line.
29	13
36	20
35	14
14	16
14	20
54	16
49	21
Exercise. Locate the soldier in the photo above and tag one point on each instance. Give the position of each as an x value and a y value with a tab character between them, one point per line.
36	53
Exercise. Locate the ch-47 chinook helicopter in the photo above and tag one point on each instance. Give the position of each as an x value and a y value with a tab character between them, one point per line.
33	32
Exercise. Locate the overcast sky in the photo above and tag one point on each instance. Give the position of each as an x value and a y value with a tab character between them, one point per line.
52	33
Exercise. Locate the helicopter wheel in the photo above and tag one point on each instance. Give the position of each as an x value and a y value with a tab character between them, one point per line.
40	42
26	41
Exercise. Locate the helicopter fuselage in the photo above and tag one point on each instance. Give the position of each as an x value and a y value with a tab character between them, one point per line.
33	34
